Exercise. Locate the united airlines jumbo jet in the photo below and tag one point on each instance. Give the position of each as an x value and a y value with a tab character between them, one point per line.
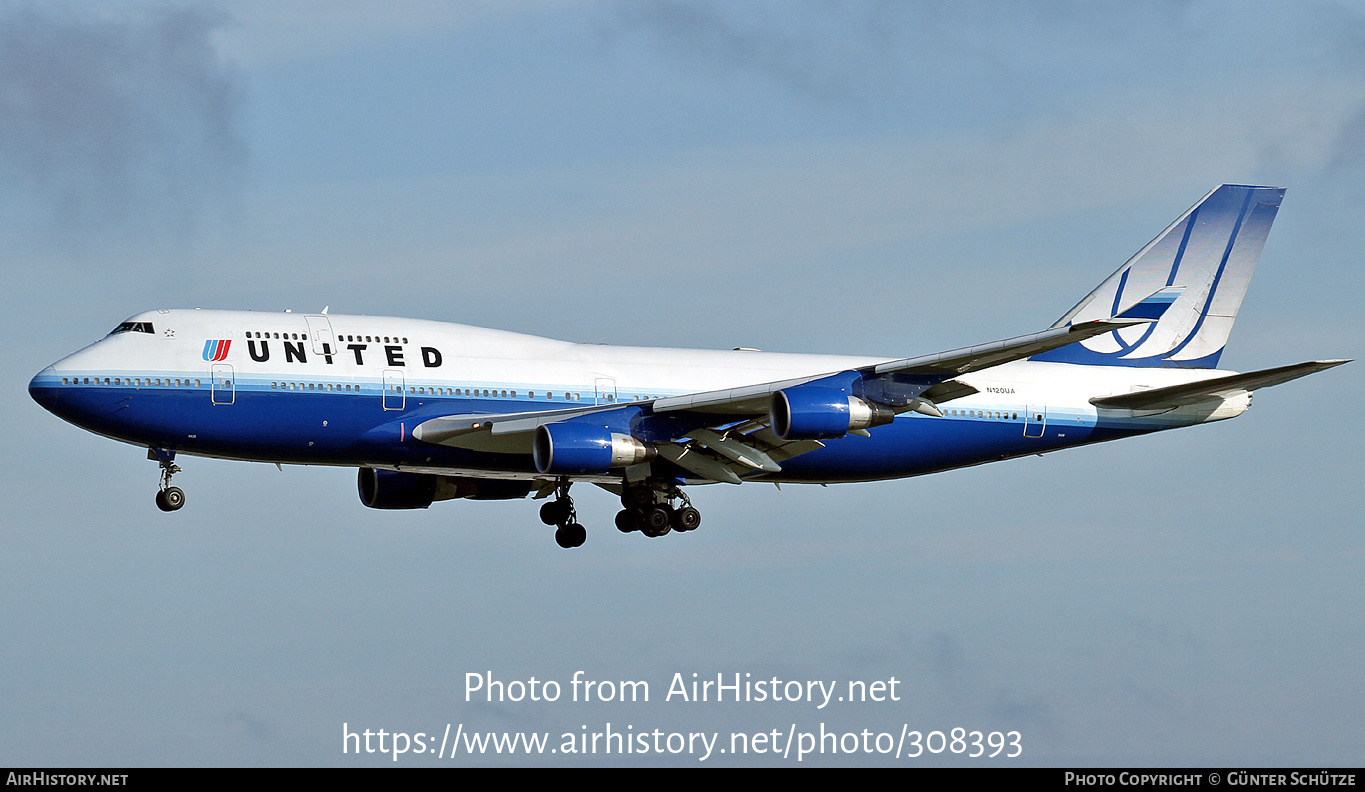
432	411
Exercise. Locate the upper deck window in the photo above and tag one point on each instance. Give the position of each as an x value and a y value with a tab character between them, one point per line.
133	327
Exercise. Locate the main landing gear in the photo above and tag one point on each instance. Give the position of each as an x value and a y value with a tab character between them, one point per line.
649	509
168	498
560	512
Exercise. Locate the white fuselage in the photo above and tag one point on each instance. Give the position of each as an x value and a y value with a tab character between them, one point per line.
254	368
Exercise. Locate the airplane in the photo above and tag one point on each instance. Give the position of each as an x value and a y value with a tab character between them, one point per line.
429	411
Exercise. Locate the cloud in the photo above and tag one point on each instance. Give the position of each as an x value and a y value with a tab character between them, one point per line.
856	50
762	40
123	121
271	31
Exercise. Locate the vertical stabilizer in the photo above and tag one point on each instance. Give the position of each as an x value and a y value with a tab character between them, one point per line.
1205	259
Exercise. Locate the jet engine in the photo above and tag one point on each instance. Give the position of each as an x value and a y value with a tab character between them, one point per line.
388	489
391	489
584	448
816	413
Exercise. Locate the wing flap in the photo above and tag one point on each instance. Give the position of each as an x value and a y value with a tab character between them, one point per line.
688	458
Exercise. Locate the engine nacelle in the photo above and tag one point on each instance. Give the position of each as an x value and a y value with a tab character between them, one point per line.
816	413
389	489
583	448
486	489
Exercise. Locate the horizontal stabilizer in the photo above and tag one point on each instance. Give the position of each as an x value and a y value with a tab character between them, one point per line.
1220	387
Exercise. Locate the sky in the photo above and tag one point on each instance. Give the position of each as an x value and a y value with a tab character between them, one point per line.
838	177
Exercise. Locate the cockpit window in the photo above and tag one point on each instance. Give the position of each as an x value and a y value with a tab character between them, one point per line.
133	327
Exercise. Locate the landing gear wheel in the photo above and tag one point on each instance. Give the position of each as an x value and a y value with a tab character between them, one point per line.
686	519
170	499
628	520
571	535
658	521
555	512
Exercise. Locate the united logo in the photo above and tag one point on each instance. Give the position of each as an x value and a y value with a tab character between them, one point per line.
216	350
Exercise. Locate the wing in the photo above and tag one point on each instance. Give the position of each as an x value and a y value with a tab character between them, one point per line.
729	435
885	379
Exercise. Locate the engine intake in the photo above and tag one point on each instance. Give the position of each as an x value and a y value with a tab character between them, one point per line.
816	413
391	489
584	448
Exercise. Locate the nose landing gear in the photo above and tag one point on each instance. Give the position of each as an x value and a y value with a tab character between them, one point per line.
168	498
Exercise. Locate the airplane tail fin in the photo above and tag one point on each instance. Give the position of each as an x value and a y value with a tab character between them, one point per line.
1192	277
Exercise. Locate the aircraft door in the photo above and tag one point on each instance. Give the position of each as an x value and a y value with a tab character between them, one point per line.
606	390
1035	420
394	397
221	387
320	333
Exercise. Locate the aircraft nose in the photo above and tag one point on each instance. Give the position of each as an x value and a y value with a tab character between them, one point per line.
42	388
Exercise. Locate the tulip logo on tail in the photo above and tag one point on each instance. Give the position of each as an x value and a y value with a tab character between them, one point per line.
216	350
